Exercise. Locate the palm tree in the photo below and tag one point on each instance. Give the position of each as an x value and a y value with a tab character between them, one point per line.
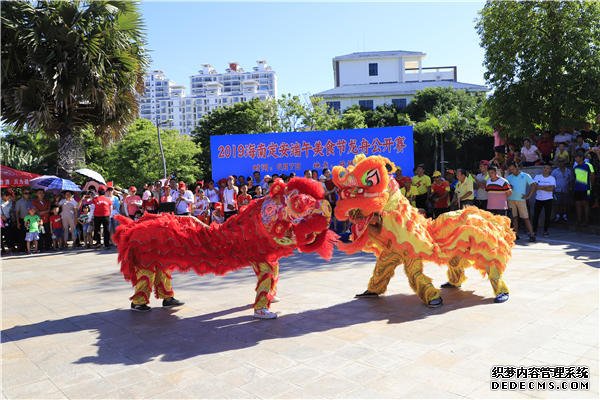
70	65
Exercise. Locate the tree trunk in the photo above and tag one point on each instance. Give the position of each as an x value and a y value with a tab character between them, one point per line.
71	154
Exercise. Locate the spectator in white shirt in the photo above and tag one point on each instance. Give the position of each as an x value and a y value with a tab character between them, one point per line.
230	198
183	200
545	185
530	153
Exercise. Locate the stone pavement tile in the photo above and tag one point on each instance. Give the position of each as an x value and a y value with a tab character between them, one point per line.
407	350
581	336
299	375
358	372
326	363
10	351
43	389
572	348
97	388
20	371
329	386
269	387
269	361
354	351
551	357
242	374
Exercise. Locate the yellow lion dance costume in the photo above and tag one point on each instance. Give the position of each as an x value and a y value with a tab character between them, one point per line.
384	223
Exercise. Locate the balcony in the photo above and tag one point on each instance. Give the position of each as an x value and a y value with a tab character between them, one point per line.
430	74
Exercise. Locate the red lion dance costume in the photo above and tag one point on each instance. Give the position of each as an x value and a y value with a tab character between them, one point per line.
384	223
292	216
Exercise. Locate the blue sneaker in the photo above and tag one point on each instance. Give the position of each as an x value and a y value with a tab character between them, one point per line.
501	298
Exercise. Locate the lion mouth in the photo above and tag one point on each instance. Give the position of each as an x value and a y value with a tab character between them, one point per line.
360	223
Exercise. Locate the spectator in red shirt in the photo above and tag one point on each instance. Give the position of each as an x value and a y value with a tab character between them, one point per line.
150	205
57	228
102	210
440	194
546	146
133	202
243	199
42	207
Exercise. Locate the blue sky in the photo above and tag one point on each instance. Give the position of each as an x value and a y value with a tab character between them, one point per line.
299	39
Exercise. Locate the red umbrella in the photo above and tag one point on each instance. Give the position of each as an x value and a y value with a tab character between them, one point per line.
10	177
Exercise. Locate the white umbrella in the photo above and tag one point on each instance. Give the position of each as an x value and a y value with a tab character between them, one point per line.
91	174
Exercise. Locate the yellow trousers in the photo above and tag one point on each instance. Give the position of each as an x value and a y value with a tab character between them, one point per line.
419	282
146	279
266	286
456	275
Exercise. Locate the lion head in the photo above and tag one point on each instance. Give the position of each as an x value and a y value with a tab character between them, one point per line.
364	188
297	214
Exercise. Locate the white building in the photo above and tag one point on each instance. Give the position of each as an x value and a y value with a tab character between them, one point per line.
165	101
370	79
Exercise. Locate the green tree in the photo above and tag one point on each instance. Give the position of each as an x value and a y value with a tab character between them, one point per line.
543	62
448	121
136	159
18	158
440	100
386	115
21	144
69	65
319	116
352	118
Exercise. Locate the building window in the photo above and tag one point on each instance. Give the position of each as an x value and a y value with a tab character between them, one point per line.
366	104
399	103
334	105
373	69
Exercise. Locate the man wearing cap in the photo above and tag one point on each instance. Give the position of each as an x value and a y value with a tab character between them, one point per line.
265	183
440	194
133	202
481	181
102	211
422	184
184	200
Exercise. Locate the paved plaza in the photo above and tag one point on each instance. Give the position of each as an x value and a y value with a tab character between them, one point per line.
67	331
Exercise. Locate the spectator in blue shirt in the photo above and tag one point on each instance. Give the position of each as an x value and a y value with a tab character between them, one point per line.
517	201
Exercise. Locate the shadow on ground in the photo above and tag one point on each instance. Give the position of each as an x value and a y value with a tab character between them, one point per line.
125	337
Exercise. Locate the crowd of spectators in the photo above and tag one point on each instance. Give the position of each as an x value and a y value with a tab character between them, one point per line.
564	166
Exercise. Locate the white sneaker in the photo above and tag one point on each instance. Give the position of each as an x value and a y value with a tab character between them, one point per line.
264	313
275	299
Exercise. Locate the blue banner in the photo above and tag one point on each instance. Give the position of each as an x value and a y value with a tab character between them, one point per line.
283	153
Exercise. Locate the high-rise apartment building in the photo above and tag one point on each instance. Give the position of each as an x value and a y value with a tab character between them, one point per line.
165	102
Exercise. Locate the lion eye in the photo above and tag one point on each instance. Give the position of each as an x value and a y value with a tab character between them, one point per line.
371	178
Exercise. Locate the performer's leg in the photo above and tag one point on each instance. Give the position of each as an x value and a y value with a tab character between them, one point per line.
498	284
383	272
268	275
273	291
456	272
143	286
163	289
421	283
